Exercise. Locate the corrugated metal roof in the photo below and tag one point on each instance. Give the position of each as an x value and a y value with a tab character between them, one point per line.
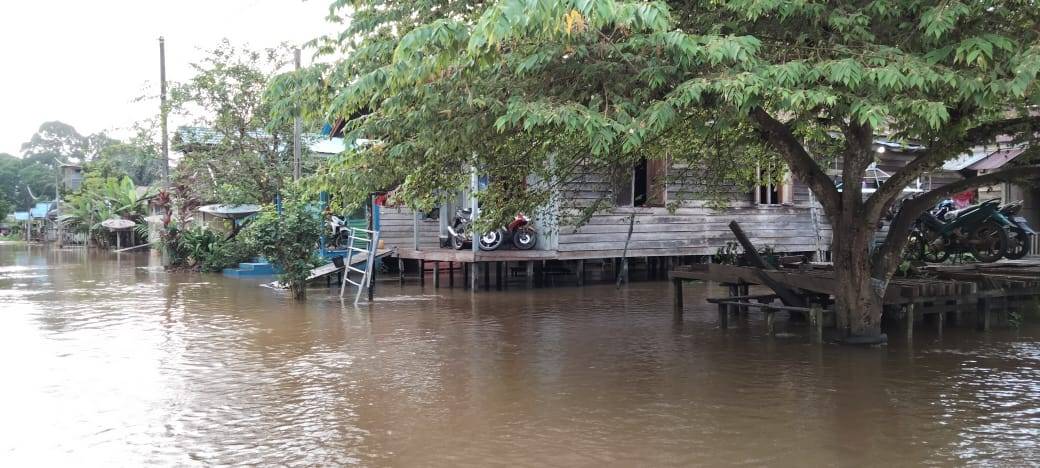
967	159
997	159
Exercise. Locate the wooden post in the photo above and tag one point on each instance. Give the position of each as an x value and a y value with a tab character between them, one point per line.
372	280
400	270
529	267
422	272
505	275
474	276
982	311
723	316
465	275
677	298
816	319
770	325
498	275
486	268
436	275
579	269
451	274
939	319
909	318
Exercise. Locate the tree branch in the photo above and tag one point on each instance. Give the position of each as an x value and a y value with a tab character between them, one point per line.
885	257
988	131
801	162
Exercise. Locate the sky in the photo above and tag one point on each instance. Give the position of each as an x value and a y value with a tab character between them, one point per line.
84	62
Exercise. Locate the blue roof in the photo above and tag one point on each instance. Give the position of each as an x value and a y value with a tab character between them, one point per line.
21	215
40	210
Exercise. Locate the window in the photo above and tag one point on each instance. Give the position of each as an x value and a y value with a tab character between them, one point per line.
644	185
769	191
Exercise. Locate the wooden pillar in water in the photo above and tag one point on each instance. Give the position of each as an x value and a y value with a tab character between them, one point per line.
770	321
372	281
529	273
579	270
400	270
436	275
474	276
982	311
451	274
498	275
940	318
909	318
816	322
465	275
422	273
723	316
677	298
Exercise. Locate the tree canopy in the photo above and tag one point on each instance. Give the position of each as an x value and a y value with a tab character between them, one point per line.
240	151
558	87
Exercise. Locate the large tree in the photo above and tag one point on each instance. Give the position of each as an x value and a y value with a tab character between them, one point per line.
602	82
237	153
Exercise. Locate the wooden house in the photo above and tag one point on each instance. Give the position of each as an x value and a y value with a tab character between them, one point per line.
669	221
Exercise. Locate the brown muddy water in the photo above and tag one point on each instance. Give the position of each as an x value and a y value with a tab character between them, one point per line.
109	361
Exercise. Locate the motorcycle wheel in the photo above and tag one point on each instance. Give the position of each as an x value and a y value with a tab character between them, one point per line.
525	238
988	243
457	242
914	250
490	240
1018	244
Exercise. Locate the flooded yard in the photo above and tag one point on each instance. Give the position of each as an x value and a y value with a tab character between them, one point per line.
110	361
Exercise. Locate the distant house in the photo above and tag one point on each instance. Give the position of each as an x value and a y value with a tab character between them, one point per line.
71	176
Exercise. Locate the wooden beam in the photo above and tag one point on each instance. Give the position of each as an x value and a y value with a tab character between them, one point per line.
751	253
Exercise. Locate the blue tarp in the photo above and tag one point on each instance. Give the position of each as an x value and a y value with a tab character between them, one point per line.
21	215
40	210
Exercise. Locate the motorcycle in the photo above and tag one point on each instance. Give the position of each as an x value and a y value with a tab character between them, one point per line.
340	231
977	229
1019	231
519	231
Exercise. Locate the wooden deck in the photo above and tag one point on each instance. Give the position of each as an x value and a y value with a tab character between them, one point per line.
982	290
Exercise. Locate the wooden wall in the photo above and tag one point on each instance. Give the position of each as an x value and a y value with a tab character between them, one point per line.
397	229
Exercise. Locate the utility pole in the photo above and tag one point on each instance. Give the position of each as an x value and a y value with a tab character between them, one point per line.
163	112
297	126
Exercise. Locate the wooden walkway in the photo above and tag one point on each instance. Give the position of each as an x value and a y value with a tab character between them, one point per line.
954	291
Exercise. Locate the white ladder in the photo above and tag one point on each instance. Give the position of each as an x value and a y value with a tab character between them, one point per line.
365	242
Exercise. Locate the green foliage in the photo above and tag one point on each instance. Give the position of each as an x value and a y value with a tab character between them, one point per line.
202	248
99	199
521	83
5	207
237	153
288	239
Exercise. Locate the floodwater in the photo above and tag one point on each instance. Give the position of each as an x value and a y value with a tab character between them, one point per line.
110	361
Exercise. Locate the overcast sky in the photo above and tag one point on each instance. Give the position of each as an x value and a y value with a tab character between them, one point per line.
83	62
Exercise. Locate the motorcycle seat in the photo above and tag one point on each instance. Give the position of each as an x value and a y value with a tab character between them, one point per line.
952	215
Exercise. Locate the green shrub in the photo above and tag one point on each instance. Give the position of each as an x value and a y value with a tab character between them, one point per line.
288	239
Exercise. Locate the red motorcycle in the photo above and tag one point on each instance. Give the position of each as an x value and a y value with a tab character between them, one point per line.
519	231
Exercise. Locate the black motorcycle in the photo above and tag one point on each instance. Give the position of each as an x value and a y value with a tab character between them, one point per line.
1019	232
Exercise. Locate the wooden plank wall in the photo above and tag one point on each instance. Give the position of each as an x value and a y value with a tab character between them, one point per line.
692	229
396	229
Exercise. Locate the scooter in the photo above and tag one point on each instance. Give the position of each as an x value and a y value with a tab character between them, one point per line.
1019	231
978	230
340	230
519	231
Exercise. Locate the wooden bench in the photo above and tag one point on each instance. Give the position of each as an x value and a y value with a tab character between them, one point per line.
765	302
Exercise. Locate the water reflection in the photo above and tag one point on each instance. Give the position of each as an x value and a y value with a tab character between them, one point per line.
112	361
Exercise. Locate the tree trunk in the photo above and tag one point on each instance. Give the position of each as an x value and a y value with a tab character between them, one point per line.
858	297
